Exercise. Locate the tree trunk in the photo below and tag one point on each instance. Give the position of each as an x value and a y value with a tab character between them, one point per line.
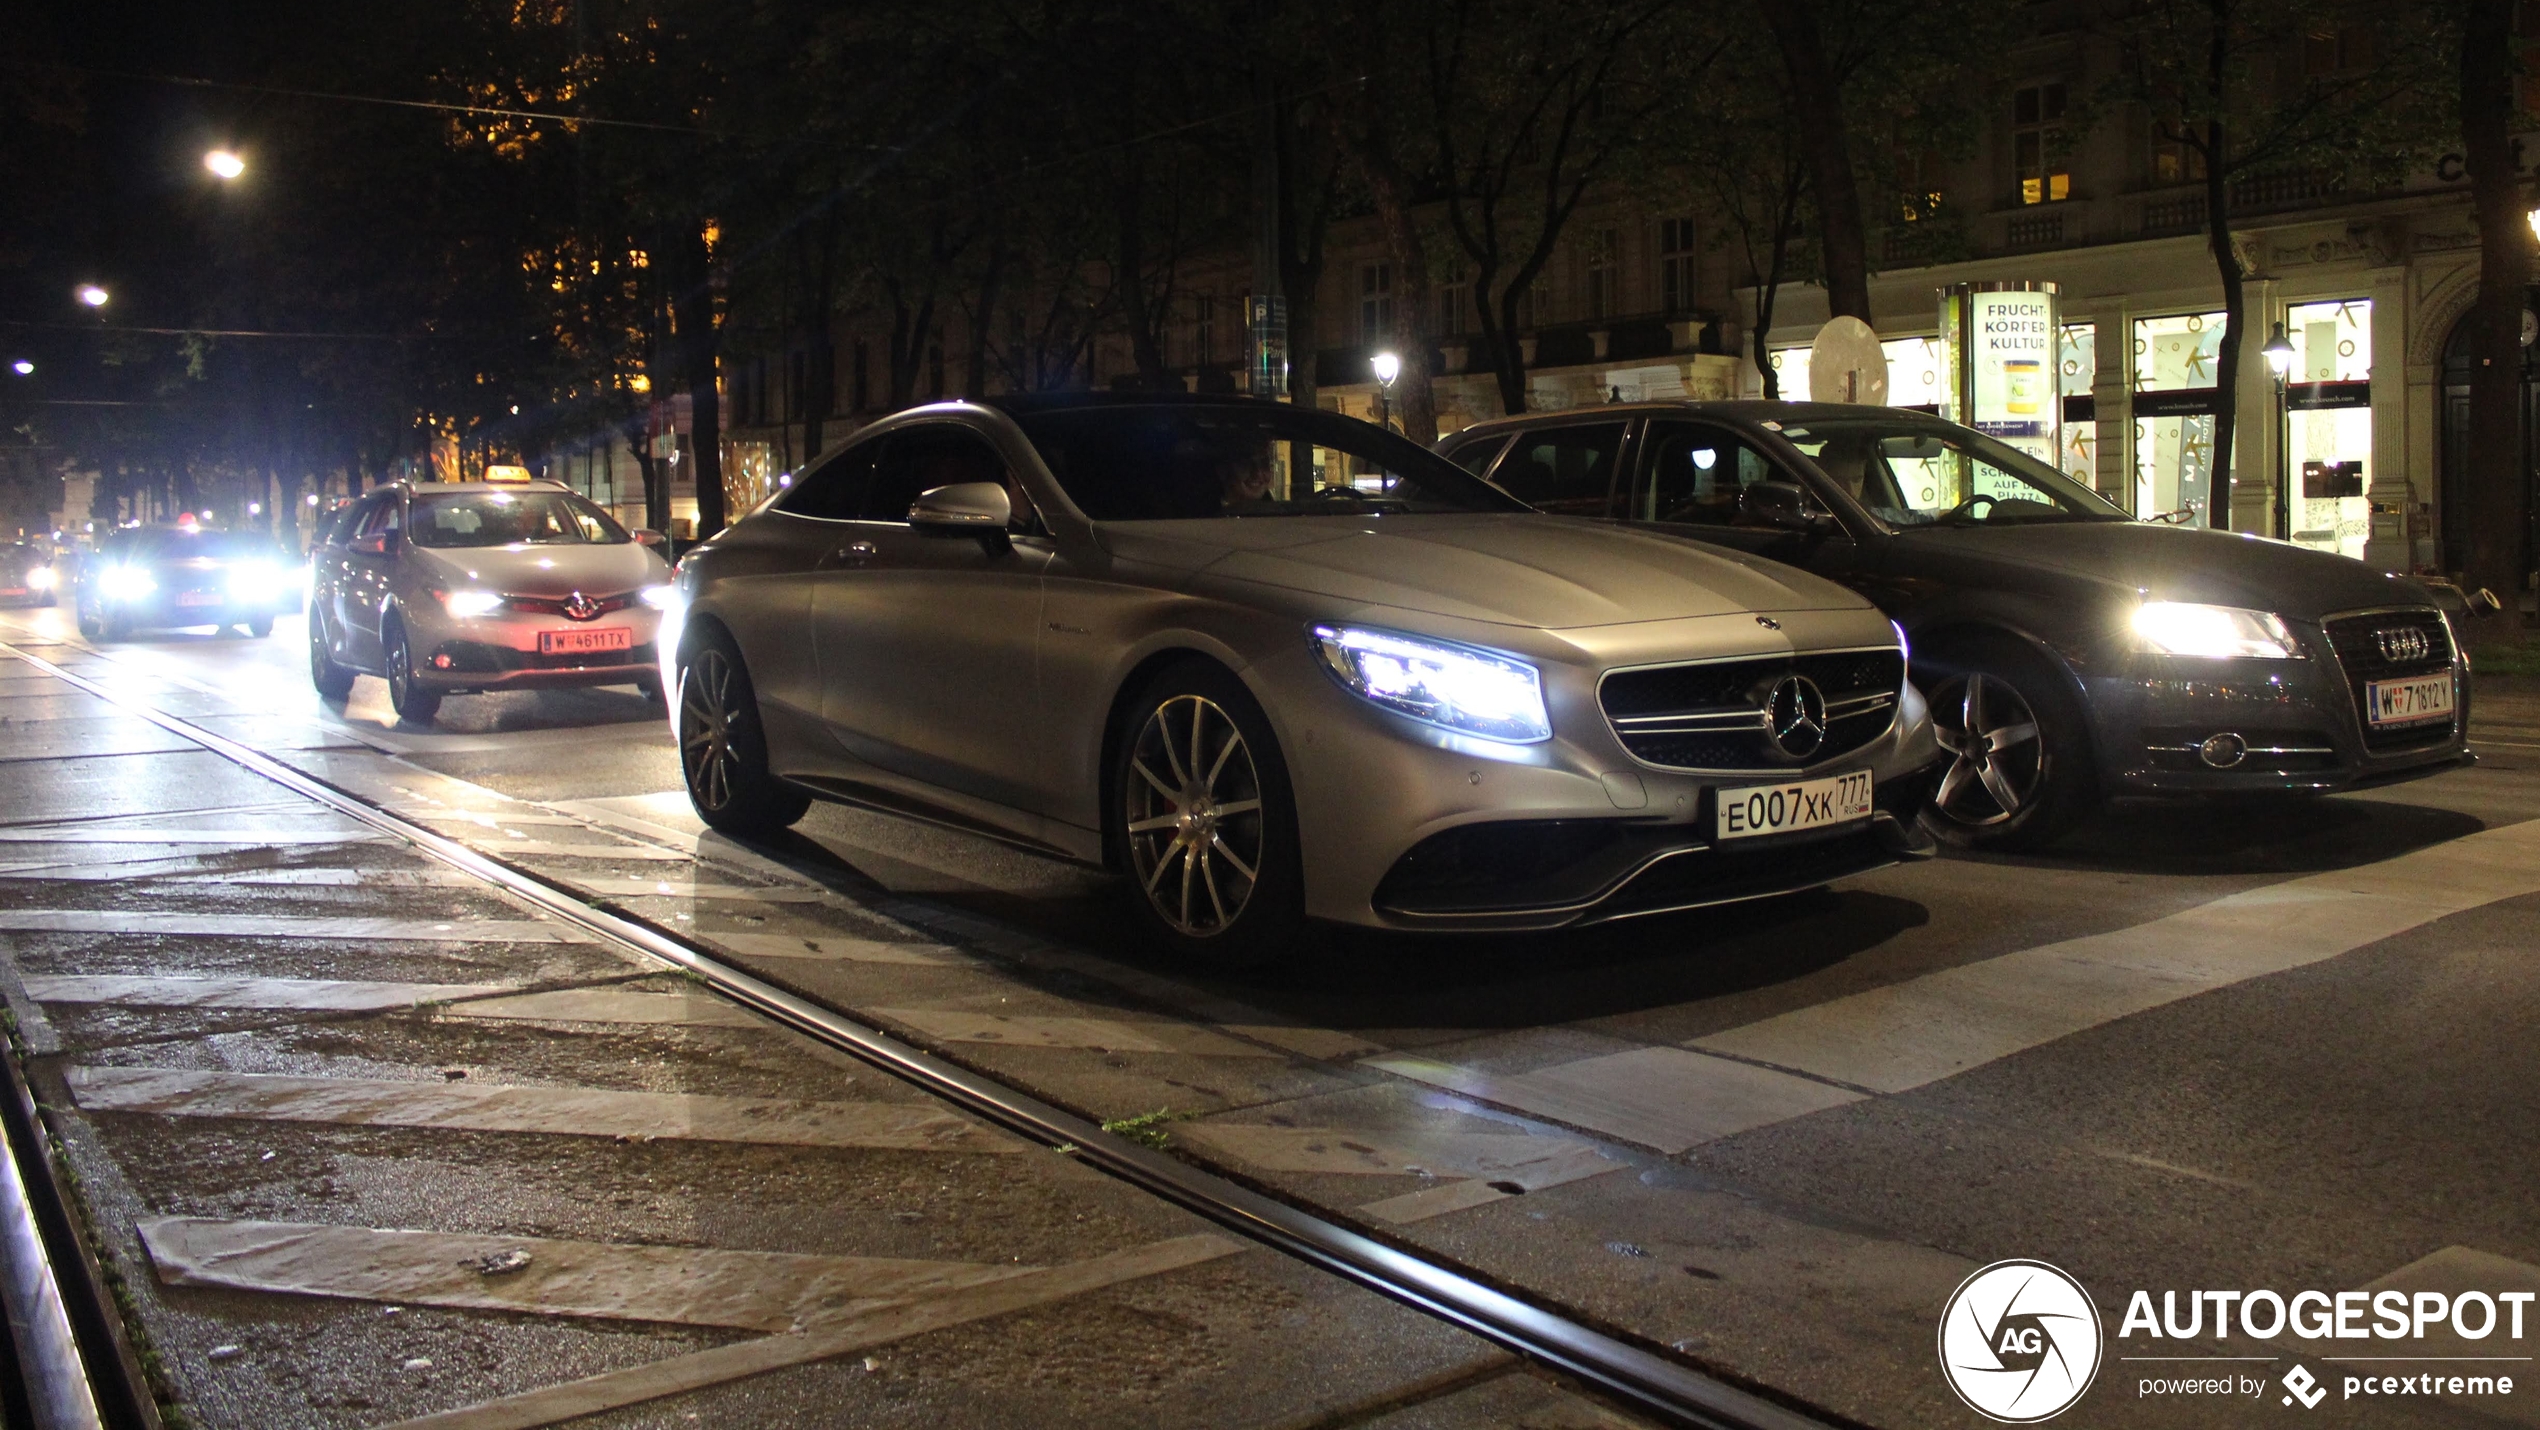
2218	480
820	351
2497	520
1842	238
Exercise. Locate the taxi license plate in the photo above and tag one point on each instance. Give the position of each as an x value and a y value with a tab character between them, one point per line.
582	642
12	590
198	598
2408	702
1786	809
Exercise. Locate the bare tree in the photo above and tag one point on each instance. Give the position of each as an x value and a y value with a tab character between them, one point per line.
2499	518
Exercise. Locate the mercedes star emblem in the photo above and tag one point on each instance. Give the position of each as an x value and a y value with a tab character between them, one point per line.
1798	714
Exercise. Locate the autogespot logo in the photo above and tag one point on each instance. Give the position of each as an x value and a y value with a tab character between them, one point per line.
2019	1341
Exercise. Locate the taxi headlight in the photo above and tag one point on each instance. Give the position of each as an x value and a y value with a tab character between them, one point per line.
1459	688
662	598
2214	632
463	605
126	583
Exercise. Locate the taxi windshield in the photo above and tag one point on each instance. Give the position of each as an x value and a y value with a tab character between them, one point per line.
511	519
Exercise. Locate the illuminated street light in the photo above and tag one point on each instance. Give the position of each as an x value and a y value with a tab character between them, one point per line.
22	368
224	164
1387	366
2279	355
313	498
2533	218
90	294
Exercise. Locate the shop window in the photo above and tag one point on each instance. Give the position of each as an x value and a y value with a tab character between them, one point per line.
2328	424
1914	373
1679	266
2076	366
2175	360
2037	142
1375	302
1790	373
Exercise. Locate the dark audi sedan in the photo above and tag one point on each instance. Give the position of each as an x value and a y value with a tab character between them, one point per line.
2069	652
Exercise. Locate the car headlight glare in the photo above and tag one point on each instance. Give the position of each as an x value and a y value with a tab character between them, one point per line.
41	578
2214	632
126	583
1459	688
464	604
255	580
661	598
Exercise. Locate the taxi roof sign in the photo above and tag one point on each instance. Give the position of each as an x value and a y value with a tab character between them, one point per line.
501	472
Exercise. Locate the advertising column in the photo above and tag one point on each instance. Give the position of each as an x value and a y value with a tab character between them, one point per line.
2003	374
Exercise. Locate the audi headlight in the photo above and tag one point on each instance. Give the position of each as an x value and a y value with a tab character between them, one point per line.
126	583
42	578
662	598
2216	632
1459	688
464	604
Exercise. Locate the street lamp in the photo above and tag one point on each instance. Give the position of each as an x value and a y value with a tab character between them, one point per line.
90	294
22	368
224	164
2279	355
1387	366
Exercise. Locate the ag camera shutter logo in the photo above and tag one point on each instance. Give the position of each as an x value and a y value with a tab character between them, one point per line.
2019	1342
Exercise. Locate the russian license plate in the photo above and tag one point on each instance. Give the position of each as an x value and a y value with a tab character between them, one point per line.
583	642
198	598
1786	809
2408	702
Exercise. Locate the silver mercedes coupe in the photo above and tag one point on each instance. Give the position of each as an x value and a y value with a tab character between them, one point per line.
1272	664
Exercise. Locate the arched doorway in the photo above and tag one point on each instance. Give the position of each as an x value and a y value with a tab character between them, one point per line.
2453	455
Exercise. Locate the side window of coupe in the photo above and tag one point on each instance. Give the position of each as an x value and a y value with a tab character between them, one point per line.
1565	470
835	490
916	460
1695	474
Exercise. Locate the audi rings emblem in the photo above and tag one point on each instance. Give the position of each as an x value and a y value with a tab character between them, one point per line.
2403	644
1797	712
581	607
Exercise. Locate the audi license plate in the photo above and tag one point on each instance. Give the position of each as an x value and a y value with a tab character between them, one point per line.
2409	702
583	642
198	598
1787	809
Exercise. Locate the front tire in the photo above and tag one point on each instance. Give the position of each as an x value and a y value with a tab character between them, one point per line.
2020	773
723	746
260	627
1204	822
414	703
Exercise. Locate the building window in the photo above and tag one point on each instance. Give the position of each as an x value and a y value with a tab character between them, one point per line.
2176	162
1598	297
1203	330
1375	302
1455	306
2037	141
2330	424
2330	52
1679	266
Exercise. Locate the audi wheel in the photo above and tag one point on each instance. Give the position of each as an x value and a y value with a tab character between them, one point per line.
1203	822
2019	772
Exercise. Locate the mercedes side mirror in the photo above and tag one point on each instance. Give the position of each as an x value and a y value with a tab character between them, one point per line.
979	509
1783	505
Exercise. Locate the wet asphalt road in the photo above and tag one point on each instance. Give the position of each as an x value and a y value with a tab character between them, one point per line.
2200	1046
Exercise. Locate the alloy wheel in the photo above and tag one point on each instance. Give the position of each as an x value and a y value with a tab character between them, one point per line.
706	755
1998	760
1192	816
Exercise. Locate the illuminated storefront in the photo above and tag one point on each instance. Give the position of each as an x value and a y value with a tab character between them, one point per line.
2175	359
2328	423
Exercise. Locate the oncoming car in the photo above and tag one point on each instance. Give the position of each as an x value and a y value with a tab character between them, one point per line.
171	577
28	575
1272	664
451	588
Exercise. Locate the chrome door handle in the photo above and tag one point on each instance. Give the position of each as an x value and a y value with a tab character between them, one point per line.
855	551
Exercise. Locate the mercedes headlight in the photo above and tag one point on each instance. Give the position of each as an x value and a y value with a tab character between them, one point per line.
1454	687
2216	632
42	578
126	583
463	605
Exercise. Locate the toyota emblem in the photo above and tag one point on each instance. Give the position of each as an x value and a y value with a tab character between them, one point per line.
581	607
1797	711
2404	644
